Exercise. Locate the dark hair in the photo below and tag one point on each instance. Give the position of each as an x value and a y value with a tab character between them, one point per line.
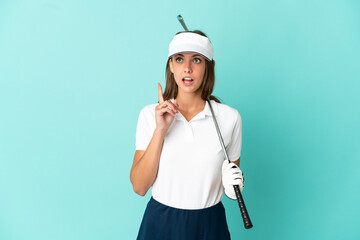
207	86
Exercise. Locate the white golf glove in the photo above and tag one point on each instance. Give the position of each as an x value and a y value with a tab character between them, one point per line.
231	175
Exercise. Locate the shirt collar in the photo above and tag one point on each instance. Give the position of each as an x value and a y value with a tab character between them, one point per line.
205	112
207	109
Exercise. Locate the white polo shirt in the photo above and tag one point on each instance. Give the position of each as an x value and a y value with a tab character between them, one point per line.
189	175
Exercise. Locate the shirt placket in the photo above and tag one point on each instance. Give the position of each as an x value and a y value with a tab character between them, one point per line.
190	132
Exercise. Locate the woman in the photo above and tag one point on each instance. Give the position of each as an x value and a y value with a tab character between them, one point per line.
178	152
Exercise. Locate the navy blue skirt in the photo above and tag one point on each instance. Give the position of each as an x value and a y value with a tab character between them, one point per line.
161	222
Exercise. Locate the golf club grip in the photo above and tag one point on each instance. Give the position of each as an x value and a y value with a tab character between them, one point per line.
244	213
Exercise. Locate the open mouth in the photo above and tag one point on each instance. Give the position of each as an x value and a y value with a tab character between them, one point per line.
187	80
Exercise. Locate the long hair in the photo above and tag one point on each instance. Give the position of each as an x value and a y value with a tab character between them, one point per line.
207	85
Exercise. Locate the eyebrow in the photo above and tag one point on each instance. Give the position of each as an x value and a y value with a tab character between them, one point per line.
195	55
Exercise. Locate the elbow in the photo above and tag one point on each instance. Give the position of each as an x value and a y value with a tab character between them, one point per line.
140	191
138	188
143	193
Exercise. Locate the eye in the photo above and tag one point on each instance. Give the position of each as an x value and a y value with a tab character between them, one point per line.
197	60
178	59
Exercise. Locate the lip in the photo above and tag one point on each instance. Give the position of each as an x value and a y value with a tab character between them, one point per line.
187	82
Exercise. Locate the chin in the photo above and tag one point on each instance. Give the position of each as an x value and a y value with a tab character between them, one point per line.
189	90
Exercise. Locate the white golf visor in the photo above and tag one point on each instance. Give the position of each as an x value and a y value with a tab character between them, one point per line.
191	42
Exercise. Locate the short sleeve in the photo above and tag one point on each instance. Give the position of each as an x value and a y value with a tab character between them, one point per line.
234	147
144	129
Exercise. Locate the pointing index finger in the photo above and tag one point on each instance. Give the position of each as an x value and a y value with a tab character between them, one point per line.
161	97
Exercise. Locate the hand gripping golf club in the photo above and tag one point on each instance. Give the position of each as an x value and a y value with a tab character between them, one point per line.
244	213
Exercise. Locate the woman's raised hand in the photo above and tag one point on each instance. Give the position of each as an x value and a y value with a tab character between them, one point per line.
165	112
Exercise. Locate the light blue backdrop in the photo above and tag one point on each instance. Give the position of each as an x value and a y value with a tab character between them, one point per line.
75	74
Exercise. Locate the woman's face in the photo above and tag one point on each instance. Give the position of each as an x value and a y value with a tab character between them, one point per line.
188	70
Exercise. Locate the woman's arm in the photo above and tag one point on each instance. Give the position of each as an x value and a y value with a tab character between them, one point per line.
146	163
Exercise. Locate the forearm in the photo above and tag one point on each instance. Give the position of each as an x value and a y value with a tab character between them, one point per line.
144	170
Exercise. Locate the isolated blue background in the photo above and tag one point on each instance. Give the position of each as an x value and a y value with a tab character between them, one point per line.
75	74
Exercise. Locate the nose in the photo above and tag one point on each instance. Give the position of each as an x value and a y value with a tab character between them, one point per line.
187	66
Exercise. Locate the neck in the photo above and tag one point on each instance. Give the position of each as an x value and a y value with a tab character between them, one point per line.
189	102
